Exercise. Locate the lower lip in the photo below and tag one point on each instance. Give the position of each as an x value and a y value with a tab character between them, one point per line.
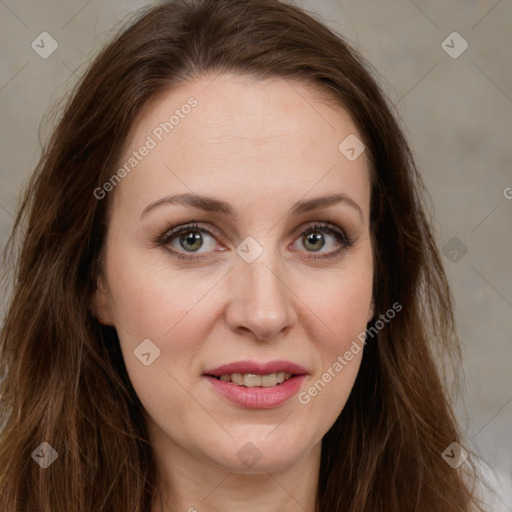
258	397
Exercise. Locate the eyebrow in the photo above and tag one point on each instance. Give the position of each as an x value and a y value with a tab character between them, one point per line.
211	204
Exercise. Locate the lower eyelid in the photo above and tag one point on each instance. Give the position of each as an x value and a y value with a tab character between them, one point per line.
344	241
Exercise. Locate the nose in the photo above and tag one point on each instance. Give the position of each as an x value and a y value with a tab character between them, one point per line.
260	300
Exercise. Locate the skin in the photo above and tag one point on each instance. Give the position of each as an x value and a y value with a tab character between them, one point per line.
260	146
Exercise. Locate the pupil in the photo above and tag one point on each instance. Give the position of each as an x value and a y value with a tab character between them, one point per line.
191	238
312	238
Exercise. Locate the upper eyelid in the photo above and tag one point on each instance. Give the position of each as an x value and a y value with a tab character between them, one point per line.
173	232
197	225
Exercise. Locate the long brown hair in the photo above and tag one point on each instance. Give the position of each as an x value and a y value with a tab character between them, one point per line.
63	377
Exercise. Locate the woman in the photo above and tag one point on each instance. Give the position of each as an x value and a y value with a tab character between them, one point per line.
286	358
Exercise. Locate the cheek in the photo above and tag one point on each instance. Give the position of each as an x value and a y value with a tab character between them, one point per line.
160	305
344	305
154	300
174	309
344	309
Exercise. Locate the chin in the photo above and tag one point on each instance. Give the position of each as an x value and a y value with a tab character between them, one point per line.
258	454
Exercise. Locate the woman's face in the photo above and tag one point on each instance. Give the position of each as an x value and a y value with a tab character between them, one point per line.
250	160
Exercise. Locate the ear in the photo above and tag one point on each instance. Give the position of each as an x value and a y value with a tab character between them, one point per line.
100	306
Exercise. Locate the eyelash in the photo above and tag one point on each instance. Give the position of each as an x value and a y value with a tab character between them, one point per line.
168	236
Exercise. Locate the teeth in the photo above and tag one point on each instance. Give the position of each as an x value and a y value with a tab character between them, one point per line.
252	381
237	378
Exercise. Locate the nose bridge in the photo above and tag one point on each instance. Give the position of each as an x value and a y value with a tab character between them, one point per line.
260	299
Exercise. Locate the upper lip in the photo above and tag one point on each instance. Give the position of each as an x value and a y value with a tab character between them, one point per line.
257	368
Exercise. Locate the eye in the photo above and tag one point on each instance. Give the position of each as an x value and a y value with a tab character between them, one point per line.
183	241
314	240
189	238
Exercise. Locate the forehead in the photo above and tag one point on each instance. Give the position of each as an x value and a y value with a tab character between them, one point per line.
244	105
270	135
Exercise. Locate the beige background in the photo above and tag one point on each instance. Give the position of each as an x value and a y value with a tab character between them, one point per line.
457	113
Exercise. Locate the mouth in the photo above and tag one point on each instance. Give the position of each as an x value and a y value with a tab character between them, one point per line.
251	380
257	385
